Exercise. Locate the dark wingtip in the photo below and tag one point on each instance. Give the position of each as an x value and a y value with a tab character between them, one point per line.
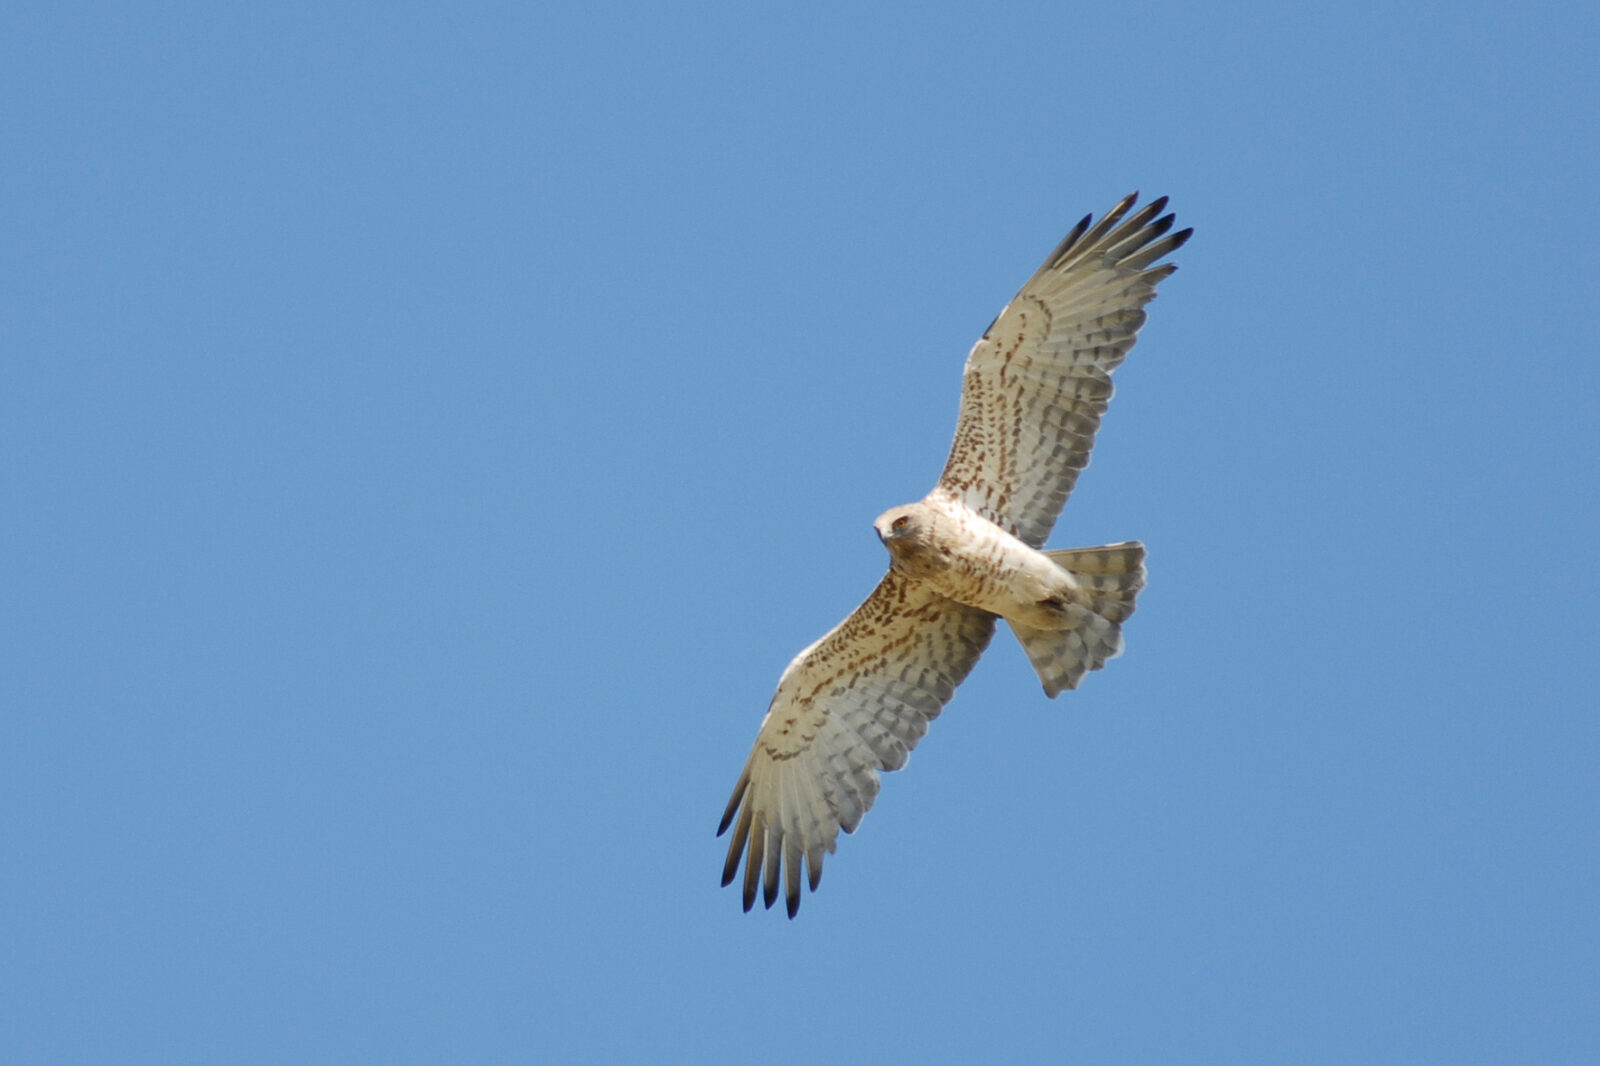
736	846
733	804
753	861
1148	255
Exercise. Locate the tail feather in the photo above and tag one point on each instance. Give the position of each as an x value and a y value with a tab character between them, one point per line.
1110	578
1125	559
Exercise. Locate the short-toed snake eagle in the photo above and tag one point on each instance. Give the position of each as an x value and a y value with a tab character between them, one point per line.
858	700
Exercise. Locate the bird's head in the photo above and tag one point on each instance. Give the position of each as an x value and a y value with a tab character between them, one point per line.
899	524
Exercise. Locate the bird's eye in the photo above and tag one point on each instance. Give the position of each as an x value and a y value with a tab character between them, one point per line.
900	523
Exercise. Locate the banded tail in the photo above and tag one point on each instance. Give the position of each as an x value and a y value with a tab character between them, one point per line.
1109	579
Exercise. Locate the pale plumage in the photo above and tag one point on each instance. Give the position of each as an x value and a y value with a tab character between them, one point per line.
858	700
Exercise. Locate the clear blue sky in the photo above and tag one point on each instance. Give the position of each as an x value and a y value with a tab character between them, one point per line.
428	430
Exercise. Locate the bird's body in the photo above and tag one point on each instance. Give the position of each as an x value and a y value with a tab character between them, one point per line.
968	554
943	544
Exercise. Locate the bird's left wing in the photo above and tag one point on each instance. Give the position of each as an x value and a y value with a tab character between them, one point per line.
1039	379
854	703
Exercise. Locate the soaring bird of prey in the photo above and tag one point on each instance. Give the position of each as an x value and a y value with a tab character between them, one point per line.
968	553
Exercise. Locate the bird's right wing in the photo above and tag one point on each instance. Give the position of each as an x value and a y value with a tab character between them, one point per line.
854	703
